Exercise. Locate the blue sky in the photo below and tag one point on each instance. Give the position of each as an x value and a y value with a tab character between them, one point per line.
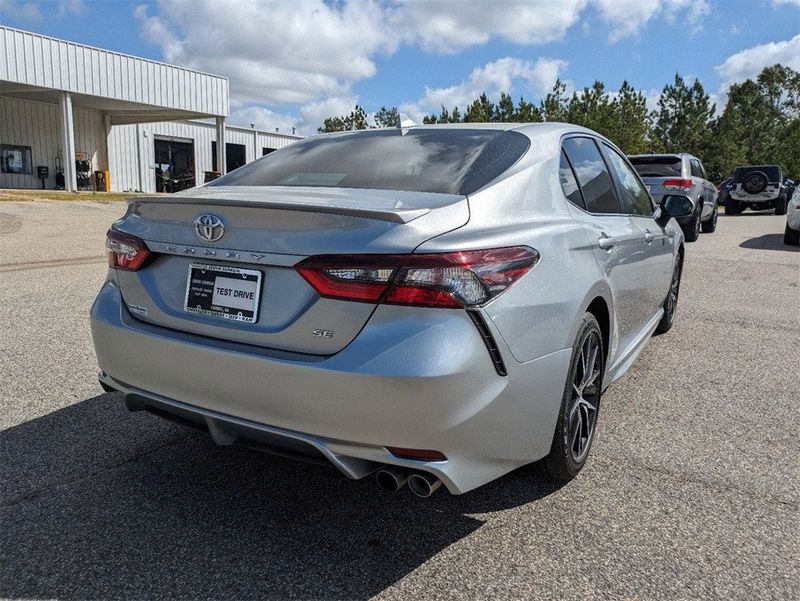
292	63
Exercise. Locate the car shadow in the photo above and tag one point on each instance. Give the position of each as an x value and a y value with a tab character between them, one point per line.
96	502
769	242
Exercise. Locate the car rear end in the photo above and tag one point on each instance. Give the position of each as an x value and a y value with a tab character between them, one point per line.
758	187
667	174
663	174
296	317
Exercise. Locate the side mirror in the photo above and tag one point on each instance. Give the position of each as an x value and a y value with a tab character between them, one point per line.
673	206
716	177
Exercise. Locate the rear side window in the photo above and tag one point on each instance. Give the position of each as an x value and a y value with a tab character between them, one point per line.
635	198
449	161
697	169
568	182
657	166
592	174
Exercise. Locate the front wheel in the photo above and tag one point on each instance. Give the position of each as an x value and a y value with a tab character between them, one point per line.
791	237
580	405
671	302
732	206
710	226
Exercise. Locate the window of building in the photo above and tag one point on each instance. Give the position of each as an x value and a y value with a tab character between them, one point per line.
234	156
593	176
15	159
265	151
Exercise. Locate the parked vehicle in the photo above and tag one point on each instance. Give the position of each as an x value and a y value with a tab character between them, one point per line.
723	190
792	234
437	304
682	174
759	188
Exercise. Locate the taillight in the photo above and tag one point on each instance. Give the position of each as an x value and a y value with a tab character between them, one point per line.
125	251
453	280
677	184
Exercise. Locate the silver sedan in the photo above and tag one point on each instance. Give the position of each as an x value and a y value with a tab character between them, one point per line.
435	304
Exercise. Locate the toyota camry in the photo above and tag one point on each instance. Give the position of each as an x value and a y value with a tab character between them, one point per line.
431	304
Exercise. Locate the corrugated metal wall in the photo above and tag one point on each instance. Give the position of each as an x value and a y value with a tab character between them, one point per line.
38	60
35	124
122	145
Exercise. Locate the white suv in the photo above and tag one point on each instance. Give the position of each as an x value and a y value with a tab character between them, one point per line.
792	234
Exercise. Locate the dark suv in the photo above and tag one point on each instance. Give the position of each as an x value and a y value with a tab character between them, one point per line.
757	187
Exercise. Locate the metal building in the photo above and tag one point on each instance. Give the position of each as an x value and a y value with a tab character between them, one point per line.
70	111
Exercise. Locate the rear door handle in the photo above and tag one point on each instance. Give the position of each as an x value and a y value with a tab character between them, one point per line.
649	236
605	242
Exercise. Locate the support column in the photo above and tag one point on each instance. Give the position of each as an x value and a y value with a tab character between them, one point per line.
68	142
221	145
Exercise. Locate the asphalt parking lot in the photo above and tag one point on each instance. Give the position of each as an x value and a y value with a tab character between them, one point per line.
692	490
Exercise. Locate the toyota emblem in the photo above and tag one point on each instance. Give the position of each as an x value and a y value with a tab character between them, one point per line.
209	227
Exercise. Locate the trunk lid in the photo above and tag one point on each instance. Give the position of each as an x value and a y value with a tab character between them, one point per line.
268	230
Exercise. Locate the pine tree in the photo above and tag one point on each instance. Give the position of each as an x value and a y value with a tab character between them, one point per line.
682	121
480	111
387	117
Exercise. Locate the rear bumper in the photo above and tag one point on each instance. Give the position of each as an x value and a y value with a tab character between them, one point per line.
424	381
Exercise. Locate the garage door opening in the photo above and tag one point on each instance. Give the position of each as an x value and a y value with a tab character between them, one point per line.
174	164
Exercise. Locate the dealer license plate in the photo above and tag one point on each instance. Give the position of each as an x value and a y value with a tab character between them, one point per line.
223	292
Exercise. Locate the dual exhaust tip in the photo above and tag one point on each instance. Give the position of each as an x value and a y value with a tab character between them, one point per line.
421	484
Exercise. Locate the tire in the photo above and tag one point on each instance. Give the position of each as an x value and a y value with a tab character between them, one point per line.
710	226
732	206
691	232
780	205
791	237
671	302
577	418
755	182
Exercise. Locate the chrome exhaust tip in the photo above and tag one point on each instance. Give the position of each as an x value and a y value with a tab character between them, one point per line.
423	485
391	478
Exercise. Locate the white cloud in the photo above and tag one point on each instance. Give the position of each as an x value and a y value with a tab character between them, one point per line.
459	24
779	2
492	78
263	119
311	53
749	62
75	7
27	12
627	18
277	52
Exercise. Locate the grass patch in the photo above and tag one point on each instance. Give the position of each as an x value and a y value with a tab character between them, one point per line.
61	195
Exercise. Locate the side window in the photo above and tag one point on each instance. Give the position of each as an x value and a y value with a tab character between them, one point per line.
697	169
592	174
568	182
635	198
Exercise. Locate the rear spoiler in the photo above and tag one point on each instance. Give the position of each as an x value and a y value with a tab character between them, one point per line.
383	205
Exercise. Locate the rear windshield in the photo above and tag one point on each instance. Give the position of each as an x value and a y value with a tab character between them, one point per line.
773	172
657	166
449	161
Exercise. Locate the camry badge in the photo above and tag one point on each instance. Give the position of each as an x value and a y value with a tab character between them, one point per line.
209	227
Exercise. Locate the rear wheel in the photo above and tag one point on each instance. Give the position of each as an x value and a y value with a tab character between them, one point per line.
692	231
710	226
780	205
732	206
671	302
791	237
579	406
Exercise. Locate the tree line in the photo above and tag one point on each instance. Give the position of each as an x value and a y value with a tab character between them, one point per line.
760	124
